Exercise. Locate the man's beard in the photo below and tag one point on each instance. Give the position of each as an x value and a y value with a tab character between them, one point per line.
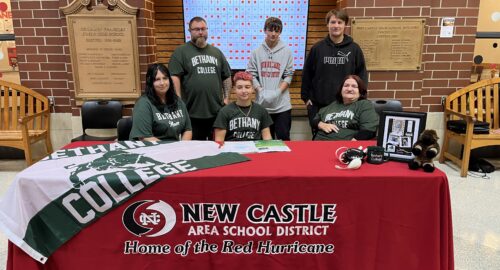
200	42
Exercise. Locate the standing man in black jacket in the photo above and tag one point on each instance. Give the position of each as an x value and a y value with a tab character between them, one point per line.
328	62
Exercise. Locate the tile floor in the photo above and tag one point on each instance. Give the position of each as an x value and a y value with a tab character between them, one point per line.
475	206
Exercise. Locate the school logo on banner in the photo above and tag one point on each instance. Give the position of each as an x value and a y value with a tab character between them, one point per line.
110	162
149	218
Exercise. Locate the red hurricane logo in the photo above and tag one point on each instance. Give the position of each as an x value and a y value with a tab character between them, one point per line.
149	218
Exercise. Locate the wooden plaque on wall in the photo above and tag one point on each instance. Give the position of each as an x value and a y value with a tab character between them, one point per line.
104	53
390	44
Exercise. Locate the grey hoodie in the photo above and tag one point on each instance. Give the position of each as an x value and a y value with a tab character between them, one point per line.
269	67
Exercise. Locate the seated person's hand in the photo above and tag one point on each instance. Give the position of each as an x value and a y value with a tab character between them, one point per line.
327	128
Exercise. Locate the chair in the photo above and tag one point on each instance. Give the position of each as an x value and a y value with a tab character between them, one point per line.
478	102
99	114
24	118
387	105
124	126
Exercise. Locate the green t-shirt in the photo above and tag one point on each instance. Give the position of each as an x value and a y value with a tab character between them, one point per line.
243	123
202	71
161	122
350	119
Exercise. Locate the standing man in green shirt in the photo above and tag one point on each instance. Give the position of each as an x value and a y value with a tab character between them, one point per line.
202	78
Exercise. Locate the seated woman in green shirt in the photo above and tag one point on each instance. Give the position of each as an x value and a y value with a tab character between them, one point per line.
242	120
350	117
159	114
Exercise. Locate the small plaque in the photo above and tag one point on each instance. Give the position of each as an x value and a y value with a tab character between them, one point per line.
390	44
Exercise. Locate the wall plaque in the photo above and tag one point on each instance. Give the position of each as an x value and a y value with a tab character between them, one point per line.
104	50
390	44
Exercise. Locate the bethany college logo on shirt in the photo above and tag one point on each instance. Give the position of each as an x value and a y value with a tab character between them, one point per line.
149	218
209	62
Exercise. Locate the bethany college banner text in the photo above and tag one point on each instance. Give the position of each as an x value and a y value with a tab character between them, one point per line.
51	201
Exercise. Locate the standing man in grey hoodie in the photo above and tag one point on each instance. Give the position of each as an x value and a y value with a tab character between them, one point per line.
271	65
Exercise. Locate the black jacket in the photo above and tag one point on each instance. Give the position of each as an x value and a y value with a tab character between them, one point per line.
326	67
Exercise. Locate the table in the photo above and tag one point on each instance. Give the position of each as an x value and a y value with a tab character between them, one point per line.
378	217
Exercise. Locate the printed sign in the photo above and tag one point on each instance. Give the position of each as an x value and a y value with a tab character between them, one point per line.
232	228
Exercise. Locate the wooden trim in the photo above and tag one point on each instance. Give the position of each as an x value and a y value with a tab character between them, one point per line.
169	33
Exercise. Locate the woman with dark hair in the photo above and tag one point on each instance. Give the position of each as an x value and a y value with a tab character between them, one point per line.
159	114
350	117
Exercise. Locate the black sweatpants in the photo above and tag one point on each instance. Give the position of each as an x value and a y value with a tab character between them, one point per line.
282	123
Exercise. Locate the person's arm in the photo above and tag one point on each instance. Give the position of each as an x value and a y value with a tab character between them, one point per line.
142	121
150	139
266	121
227	84
266	134
287	74
187	135
283	86
307	76
220	134
221	124
177	85
368	121
325	127
328	128
177	69
226	79
252	68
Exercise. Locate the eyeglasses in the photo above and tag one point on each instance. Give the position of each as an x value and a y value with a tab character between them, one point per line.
204	29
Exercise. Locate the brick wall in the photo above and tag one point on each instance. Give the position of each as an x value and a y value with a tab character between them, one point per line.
446	62
43	48
146	34
44	61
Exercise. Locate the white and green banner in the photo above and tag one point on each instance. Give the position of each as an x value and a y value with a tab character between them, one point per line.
51	201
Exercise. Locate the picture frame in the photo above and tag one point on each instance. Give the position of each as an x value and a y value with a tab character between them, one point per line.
398	132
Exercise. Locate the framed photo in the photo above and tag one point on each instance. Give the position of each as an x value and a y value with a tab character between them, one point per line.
398	131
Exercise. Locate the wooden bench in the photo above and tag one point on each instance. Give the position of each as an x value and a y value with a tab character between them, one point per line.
24	118
476	102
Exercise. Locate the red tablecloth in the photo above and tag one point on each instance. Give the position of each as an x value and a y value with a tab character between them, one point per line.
386	217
